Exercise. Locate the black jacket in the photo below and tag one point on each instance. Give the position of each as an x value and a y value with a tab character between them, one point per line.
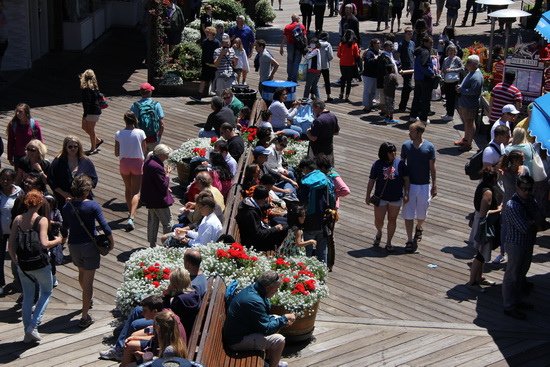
255	233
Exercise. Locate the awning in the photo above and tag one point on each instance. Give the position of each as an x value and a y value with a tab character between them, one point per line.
539	125
543	26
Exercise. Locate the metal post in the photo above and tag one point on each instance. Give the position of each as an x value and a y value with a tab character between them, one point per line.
489	67
507	26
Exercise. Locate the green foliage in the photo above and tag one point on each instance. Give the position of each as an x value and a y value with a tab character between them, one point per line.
264	13
191	35
227	10
187	61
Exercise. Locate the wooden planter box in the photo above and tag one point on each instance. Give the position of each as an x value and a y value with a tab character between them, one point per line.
78	35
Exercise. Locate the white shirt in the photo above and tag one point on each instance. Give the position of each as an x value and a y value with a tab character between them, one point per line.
274	159
279	114
232	163
490	154
129	142
209	230
497	123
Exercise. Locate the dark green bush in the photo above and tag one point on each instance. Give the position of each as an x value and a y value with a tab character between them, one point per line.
264	13
187	61
226	9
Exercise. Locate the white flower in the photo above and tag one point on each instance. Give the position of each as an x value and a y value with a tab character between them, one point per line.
295	151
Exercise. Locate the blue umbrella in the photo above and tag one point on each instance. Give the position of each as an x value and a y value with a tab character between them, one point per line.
539	125
543	26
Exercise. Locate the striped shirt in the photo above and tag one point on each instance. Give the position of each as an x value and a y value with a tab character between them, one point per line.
503	94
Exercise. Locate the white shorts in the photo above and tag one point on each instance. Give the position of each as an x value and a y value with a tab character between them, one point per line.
91	118
419	201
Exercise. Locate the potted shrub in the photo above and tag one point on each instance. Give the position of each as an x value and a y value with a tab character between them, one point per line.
180	78
181	157
263	13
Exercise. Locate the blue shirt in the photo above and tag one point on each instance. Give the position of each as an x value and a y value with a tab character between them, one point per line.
389	179
418	161
518	222
246	35
406	50
89	211
470	90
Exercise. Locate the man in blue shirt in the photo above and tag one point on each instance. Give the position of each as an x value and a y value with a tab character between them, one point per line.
521	220
249	326
245	33
406	57
419	155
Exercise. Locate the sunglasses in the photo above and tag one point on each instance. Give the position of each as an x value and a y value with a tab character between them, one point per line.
72	146
30	149
526	188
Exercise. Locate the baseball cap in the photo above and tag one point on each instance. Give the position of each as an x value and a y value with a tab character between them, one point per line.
259	150
146	86
510	108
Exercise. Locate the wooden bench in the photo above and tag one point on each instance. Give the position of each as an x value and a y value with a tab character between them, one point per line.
206	345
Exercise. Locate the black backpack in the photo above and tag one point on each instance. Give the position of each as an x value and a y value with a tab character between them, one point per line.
31	255
300	42
473	167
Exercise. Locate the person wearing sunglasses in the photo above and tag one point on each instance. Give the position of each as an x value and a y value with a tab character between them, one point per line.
33	161
521	220
70	163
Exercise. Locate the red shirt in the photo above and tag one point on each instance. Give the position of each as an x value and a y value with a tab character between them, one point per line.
289	28
503	94
348	54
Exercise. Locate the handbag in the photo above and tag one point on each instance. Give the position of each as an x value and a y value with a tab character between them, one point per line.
488	230
102	100
538	172
101	241
374	199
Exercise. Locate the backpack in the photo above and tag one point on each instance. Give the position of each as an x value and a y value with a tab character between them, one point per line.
473	167
230	293
30	253
148	119
32	122
300	41
317	191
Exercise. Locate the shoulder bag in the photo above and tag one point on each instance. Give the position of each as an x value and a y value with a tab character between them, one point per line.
538	172
101	241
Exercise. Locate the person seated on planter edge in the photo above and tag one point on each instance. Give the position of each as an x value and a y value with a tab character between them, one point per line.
286	186
232	102
249	326
209	229
253	230
217	117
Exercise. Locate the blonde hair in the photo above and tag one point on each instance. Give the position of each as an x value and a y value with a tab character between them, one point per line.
169	333
180	280
41	147
519	136
240	47
88	80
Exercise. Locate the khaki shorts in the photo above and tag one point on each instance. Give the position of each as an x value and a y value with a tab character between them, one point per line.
467	114
91	118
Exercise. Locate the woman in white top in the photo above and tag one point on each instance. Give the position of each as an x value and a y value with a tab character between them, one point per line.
242	61
129	146
280	114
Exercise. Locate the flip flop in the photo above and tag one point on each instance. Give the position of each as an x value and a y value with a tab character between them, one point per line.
98	144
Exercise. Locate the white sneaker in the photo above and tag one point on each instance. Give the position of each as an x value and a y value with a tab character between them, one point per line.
55	281
283	364
447	118
112	353
499	259
32	334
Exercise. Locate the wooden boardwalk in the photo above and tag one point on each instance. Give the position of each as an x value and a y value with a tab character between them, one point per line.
383	309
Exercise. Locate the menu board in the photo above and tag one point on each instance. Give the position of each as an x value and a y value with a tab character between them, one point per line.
529	76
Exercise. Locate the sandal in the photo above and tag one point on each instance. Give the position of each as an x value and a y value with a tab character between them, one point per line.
101	141
377	240
84	323
409	246
417	235
389	247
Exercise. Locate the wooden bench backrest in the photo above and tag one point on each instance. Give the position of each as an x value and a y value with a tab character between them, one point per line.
192	343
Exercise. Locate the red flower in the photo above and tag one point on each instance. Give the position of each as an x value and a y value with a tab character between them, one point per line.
299	288
166	271
237	246
151	268
213	139
286	280
166	276
250	138
310	284
220	253
142	264
156	284
149	277
254	258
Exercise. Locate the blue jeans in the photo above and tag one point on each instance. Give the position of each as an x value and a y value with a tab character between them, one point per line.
134	322
321	248
43	278
293	131
207	134
293	58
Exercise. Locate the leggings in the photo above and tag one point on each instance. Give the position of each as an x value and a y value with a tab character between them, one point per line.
326	78
348	73
306	10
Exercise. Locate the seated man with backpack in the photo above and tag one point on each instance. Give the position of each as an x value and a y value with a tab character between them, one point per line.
249	325
150	116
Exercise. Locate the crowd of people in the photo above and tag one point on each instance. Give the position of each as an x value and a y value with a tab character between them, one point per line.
284	210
